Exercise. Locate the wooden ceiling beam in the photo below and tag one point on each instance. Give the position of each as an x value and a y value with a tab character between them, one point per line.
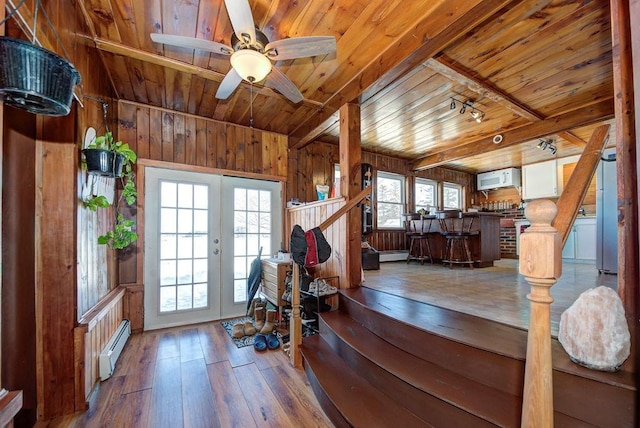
593	113
430	34
446	67
163	61
315	133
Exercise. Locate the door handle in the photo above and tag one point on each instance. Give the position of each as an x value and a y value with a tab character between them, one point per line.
216	240
216	251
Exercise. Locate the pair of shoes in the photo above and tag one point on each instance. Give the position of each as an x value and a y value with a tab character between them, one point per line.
286	296
262	342
243	329
324	288
313	287
259	315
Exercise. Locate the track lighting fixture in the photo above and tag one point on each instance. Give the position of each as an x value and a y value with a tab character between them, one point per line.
475	113
547	145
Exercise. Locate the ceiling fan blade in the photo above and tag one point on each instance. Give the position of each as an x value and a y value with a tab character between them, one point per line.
298	47
229	84
241	19
192	43
277	80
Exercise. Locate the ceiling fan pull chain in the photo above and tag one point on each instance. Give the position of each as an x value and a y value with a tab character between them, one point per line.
251	105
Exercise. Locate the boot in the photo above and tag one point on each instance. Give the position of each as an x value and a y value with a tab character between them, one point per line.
258	318
238	330
252	307
270	323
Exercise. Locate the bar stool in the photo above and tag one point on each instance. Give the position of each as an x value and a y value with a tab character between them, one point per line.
418	235
455	227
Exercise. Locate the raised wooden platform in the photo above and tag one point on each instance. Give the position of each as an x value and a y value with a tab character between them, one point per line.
382	356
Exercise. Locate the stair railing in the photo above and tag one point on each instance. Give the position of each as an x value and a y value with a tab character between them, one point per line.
295	333
541	265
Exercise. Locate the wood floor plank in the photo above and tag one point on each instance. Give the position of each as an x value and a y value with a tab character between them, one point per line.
296	397
169	344
198	405
103	412
236	356
142	363
213	346
190	348
263	404
166	402
233	410
133	409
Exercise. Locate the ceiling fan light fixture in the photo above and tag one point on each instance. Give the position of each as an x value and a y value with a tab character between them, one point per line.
251	65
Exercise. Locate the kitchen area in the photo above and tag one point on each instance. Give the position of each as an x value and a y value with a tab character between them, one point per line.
593	237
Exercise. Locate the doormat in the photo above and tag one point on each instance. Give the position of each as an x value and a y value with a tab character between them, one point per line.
243	341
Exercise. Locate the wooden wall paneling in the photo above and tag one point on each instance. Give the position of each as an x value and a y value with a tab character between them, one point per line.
155	134
142	129
190	140
240	146
133	307
56	196
201	142
230	153
127	125
18	309
220	144
91	336
310	216
167	137
179	139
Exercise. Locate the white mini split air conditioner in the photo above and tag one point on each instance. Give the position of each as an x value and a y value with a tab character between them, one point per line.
509	177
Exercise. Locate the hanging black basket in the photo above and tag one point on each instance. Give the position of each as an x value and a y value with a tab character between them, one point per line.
103	162
35	79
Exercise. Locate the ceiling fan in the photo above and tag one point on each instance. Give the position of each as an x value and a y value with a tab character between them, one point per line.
252	53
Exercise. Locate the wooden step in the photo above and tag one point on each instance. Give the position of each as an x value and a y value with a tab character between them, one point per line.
347	398
492	354
443	337
436	394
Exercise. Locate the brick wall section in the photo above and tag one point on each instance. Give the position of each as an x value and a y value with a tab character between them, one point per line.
508	234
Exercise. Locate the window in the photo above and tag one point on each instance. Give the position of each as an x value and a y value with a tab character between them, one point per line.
390	200
425	194
452	195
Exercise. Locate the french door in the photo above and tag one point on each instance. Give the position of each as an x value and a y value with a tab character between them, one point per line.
201	233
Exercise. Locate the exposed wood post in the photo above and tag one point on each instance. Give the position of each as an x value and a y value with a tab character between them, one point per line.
541	265
576	189
350	186
295	323
626	153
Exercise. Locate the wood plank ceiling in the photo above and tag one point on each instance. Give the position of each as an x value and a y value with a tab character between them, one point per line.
534	68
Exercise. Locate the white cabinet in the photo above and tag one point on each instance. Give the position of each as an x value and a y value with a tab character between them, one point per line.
540	180
581	243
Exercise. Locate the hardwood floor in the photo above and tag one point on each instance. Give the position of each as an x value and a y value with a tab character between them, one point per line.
196	377
497	293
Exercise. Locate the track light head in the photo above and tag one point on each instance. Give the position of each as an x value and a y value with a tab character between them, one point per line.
452	106
463	109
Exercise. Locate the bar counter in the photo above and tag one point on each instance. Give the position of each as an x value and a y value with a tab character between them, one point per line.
485	247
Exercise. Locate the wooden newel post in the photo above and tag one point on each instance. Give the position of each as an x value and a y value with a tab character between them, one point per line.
295	323
541	265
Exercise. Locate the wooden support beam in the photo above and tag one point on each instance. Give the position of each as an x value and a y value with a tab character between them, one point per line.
350	187
593	113
626	160
541	265
316	132
576	189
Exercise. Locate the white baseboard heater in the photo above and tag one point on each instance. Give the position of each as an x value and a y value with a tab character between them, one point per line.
111	352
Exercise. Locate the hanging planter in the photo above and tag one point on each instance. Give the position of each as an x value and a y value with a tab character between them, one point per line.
35	79
103	162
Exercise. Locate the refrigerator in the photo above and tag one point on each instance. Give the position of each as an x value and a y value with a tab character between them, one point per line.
607	214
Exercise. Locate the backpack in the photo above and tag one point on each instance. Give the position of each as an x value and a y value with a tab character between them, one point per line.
309	248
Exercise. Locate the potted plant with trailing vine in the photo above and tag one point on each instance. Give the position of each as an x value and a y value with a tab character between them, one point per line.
117	160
